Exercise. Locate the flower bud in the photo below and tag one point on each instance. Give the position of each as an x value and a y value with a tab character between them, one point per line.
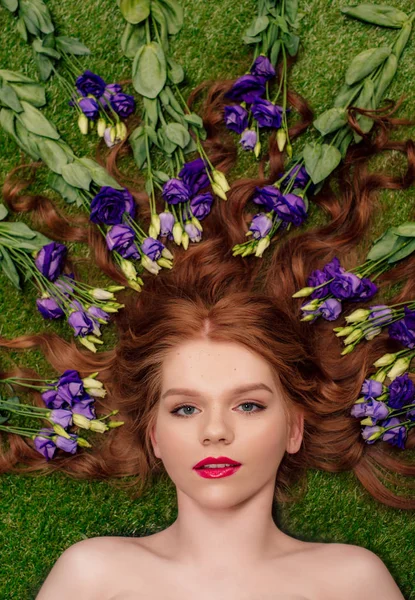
165	262
128	269
155	221
113	134
87	344
257	149
289	150
61	431
94	339
152	231
220	179
218	191
367	421
379	376
115	288
83	124
113	424
98	426
305	291
308	318
347	350
177	232
101	127
196	223
100	294
134	285
248	250
345	331
150	265
91	382
353	337
281	139
81	421
96	392
262	246
376	435
400	366
120	131
358	316
83	443
185	240
166	253
385	360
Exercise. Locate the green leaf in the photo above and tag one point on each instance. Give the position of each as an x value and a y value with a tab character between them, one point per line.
175	71
53	155
160	176
177	134
70	194
320	160
17	229
21	28
405	230
291	42
251	40
258	25
99	175
137	141
383	15
384	245
135	11
35	122
8	97
149	70
34	93
194	120
10	5
8	267
191	146
346	95
3	212
386	76
365	101
132	39
152	111
365	63
71	45
330	120
403	38
159	16
39	47
44	65
77	175
174	15
281	23
291	10
275	50
165	143
27	141
404	251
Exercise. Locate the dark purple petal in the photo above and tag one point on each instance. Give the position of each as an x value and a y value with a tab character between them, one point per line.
330	309
261	225
123	104
263	67
201	205
401	391
49	309
194	175
175	191
50	259
248	139
266	113
247	88
152	248
90	83
109	206
236	118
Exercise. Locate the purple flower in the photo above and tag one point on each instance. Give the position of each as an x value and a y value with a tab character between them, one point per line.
49	309
110	204
380	315
97	313
121	239
52	400
263	67
261	226
301	177
193	232
291	208
236	118
345	285
317	278
404	330
358	410
397	435
247	88
366	290
376	409
266	113
201	205
330	309
371	388
81	323
45	446
267	196
85	408
89	107
194	175
90	83
175	191
70	386
333	268
410	415
166	224
110	90
248	139
62	417
50	259
368	431
123	104
152	248
67	445
401	391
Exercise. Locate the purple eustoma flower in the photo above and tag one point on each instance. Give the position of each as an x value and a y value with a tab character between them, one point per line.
404	330
333	268
262	67
89	107
97	313
247	88
366	290
166	224
368	431
248	139
261	226
401	391
267	196
110	90
152	248
397	435
316	279
50	259
109	206
194	175
176	191
330	309
300	175
90	83
70	386
345	285
236	118
81	323
121	239
49	309
123	104
201	205
266	113
291	208
85	408
62	417
193	232
371	388
380	315
45	445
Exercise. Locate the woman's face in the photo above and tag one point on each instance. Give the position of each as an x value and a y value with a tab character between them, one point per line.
222	421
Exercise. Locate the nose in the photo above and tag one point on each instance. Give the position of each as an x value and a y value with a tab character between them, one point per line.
215	428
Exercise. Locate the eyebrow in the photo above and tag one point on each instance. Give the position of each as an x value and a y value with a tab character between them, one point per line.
238	390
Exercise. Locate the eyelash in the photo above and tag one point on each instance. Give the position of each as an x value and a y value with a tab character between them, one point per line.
175	411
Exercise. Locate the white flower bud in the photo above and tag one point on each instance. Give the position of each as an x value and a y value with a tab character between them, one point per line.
166	253
197	223
220	179
353	337
81	421
83	124
61	431
385	360
91	382
358	316
87	344
218	191
262	246
165	262
155	221
281	139
101	127
185	240
98	426
400	366
100	294
305	291
128	269
150	265
177	232
257	149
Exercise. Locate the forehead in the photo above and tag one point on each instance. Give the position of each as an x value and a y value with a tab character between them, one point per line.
208	365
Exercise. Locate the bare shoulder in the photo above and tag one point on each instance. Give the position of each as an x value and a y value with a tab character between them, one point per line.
80	569
357	573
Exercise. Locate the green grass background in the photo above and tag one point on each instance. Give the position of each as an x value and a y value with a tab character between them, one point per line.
41	517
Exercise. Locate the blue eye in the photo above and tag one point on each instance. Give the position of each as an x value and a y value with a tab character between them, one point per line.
259	406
